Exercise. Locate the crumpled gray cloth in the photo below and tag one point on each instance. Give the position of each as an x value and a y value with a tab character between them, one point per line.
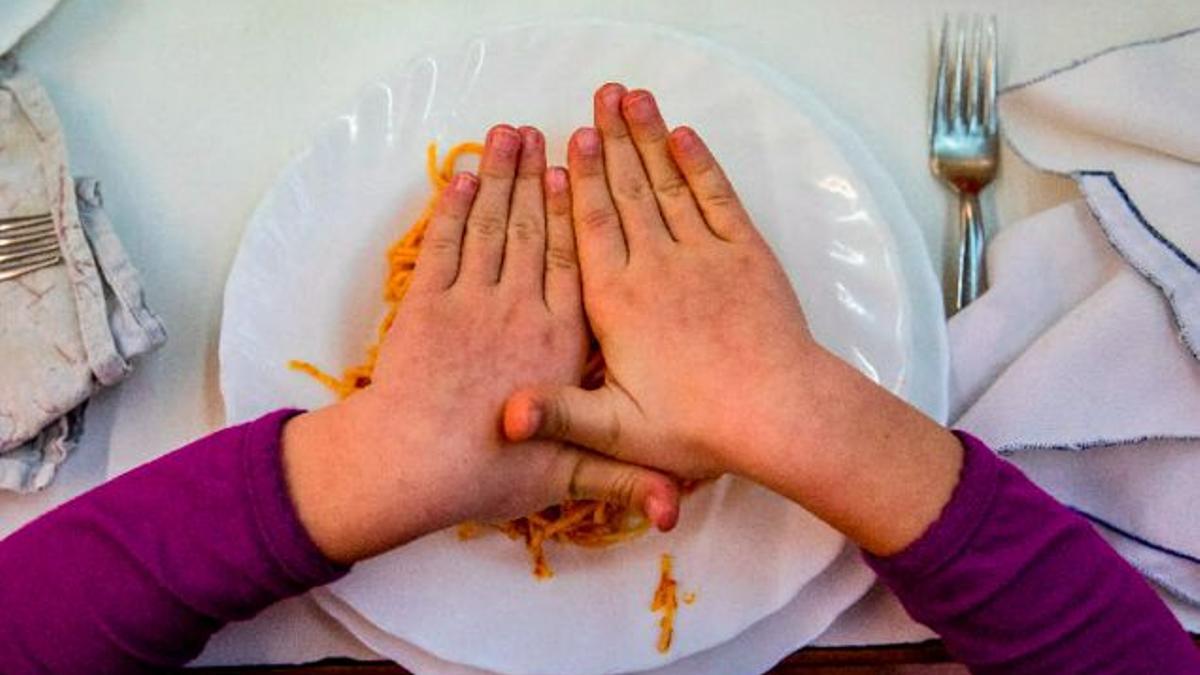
66	330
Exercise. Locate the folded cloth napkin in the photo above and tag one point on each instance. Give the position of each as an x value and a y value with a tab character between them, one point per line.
65	330
1080	362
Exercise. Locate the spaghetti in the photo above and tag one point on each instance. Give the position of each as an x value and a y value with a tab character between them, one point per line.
582	522
665	601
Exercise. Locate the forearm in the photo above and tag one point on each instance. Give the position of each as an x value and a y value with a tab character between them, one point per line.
1014	582
1011	579
138	573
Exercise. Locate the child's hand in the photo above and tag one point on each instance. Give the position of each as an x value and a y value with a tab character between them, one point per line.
711	367
703	337
494	306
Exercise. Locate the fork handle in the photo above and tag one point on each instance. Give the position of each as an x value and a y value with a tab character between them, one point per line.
971	273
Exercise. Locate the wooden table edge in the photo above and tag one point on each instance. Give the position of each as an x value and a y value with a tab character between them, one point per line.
808	660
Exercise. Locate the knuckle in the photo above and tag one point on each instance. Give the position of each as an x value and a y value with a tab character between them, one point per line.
453	207
651	134
523	229
559	207
615	130
588	168
610	435
598	219
574	489
500	169
487	224
561	258
721	197
672	188
441	245
622	488
632	190
745	261
559	424
706	167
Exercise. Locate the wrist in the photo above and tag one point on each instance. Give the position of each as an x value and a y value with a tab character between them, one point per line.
784	415
858	457
338	485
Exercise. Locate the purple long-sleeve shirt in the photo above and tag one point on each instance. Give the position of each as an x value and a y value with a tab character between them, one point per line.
138	573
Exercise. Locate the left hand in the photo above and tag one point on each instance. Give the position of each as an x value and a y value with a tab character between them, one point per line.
494	306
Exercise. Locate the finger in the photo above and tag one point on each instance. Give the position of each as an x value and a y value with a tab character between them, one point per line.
631	191
562	267
718	201
595	477
483	246
525	243
671	190
569	414
441	246
597	228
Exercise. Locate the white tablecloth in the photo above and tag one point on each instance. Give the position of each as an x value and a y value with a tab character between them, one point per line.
187	110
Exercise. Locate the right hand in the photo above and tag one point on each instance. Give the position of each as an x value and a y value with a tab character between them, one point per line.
700	329
710	364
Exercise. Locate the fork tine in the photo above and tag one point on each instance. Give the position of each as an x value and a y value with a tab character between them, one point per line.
13	272
29	243
17	225
46	226
941	85
21	257
15	239
974	90
23	219
989	78
14	258
956	93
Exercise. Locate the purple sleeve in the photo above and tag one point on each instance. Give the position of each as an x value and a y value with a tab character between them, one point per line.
137	574
1014	582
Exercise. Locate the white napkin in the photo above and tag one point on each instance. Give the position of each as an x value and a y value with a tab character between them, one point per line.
17	17
1080	363
68	329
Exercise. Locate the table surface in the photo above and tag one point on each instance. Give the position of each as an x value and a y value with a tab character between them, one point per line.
188	109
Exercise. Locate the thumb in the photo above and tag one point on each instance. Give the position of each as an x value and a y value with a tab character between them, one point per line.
590	418
629	485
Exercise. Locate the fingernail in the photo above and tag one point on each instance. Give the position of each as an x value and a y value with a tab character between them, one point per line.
464	182
556	179
587	141
505	139
685	138
640	106
655	508
530	137
534	420
611	96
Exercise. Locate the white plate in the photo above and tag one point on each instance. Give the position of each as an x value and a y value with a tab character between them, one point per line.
802	619
318	237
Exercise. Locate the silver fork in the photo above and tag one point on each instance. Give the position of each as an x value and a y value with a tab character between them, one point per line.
27	243
962	137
